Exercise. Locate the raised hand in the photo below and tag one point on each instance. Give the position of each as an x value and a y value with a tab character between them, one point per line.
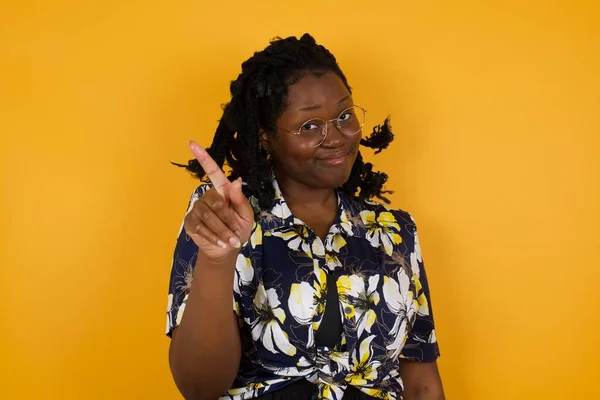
221	220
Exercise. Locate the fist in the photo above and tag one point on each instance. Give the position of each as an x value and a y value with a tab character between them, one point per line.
221	220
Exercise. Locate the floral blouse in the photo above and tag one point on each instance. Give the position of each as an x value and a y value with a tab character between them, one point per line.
279	292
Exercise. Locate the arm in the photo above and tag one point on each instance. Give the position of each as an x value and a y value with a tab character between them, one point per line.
418	366
421	381
205	349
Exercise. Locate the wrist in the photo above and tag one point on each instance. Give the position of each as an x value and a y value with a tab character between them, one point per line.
224	264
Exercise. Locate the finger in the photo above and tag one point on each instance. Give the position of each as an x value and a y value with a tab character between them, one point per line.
214	223
200	230
195	229
223	210
210	167
240	202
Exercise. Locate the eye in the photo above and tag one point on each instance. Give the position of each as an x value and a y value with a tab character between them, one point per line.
346	116
310	126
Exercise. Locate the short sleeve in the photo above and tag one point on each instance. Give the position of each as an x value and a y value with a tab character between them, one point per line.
182	269
421	344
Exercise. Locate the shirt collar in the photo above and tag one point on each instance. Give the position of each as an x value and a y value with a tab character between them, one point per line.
280	215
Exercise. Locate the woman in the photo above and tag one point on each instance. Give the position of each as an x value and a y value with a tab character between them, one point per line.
330	298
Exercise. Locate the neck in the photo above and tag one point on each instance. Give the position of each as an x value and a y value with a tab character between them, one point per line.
297	194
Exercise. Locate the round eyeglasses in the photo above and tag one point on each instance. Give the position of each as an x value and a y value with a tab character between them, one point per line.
349	122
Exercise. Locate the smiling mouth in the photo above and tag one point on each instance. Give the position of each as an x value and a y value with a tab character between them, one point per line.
336	160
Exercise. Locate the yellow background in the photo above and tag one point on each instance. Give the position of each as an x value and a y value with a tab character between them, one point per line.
495	105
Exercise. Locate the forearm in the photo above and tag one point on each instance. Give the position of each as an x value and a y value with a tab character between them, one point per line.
421	381
205	350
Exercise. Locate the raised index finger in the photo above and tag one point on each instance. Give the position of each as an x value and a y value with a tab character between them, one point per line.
210	167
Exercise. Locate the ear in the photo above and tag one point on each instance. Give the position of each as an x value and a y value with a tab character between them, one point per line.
264	140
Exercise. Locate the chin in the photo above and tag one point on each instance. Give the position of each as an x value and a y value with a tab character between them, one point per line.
337	178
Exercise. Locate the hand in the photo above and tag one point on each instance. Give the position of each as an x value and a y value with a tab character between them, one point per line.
221	220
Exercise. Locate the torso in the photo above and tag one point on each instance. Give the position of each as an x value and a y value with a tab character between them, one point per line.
283	282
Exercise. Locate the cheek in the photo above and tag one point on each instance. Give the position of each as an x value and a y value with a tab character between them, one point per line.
287	151
355	141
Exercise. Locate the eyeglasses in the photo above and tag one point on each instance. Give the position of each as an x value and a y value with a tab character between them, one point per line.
349	122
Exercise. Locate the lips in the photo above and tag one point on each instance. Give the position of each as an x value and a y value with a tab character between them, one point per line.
336	158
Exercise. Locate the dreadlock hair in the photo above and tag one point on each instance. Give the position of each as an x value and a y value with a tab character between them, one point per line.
258	97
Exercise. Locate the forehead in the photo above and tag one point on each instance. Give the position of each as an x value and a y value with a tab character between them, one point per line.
316	89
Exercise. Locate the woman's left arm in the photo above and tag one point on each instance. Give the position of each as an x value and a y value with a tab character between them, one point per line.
421	380
418	366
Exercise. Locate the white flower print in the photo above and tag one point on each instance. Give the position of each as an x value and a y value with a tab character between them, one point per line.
416	258
244	272
400	301
266	327
301	303
303	367
296	238
280	209
432	337
169	306
302	306
317	247
181	309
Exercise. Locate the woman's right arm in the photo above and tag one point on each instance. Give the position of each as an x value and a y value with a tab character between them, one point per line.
205	348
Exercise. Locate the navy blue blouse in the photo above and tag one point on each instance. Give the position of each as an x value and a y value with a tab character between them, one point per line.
282	275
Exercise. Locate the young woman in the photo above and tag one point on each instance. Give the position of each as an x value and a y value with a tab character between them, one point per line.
288	281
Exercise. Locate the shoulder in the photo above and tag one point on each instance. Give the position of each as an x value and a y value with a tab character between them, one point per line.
385	212
383	222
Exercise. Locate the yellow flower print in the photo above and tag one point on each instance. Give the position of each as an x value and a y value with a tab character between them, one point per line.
335	242
421	299
382	229
332	261
363	369
329	391
357	301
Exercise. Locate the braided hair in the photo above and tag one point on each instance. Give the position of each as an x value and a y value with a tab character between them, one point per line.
258	97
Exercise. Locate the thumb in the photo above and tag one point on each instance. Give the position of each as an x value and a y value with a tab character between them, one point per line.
240	203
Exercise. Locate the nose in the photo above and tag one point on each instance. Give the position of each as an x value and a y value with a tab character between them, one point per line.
333	136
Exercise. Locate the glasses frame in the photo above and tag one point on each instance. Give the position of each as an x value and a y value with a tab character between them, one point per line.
337	124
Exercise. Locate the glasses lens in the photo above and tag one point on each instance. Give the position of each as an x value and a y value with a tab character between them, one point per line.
351	120
313	131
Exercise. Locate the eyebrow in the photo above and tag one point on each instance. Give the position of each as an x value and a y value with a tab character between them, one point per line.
317	106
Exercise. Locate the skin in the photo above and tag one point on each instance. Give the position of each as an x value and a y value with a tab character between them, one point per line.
204	359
